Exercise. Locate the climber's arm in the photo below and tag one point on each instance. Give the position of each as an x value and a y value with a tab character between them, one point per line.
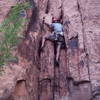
49	25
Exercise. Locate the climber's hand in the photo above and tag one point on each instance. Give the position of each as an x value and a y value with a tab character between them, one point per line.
43	19
67	22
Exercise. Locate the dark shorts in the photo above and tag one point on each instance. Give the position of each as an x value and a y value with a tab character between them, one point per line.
59	39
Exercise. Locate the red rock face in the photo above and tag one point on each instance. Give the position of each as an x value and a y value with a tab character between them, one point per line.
77	77
74	78
4	8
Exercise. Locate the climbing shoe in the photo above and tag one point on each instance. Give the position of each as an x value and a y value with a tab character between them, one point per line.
41	49
56	63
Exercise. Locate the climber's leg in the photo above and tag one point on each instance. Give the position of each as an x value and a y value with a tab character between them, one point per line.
50	37
58	52
43	40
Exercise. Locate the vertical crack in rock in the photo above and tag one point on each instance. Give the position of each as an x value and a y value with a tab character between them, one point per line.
84	42
81	17
84	38
48	7
33	19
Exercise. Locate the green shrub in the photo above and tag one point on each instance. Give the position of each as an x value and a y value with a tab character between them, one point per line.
10	28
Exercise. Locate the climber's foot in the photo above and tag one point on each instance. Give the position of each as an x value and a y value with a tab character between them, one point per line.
56	63
41	49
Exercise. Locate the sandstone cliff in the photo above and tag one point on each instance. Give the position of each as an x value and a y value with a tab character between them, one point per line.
77	77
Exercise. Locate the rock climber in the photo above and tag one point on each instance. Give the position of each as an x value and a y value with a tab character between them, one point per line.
56	36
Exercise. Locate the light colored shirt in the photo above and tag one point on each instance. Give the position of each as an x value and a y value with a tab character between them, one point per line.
57	27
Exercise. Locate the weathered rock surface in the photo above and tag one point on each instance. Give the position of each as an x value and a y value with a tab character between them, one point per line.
77	77
81	59
5	7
